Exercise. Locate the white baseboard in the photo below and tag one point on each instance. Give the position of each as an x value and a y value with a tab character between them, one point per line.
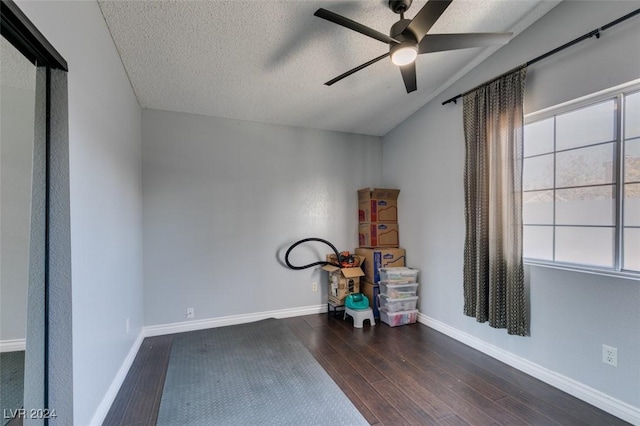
181	327
581	391
103	409
13	345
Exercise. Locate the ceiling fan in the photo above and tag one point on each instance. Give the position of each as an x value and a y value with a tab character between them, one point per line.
408	38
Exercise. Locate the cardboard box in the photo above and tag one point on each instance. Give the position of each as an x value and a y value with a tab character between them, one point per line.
377	258
378	205
335	301
373	235
371	291
343	281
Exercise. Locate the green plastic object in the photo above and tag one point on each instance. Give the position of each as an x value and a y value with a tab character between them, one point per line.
356	301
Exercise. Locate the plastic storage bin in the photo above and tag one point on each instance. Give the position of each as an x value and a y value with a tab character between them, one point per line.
399	274
394	319
398	291
397	305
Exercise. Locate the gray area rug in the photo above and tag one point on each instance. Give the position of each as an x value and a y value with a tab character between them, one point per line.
11	383
250	374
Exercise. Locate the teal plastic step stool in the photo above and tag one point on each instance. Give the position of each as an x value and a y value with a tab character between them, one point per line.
357	306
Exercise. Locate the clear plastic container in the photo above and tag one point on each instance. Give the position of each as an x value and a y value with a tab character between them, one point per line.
398	291
399	274
397	305
394	319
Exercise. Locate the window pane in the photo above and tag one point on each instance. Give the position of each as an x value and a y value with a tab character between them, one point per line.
587	246
632	249
537	242
538	137
632	112
586	126
538	173
632	204
632	161
537	208
571	206
585	206
585	166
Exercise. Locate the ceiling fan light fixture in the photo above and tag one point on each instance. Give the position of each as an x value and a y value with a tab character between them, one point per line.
404	53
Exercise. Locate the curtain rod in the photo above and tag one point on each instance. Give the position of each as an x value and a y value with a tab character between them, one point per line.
590	34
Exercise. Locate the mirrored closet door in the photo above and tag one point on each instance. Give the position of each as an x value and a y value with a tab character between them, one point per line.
33	78
17	124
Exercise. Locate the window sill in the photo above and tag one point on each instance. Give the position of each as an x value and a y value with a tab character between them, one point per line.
586	270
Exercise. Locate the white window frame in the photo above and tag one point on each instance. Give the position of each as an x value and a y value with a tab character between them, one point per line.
617	93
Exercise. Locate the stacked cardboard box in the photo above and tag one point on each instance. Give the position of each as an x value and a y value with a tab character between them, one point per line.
378	217
378	238
342	281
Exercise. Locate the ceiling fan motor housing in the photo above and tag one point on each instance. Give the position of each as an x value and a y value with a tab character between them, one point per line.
399	6
404	52
397	31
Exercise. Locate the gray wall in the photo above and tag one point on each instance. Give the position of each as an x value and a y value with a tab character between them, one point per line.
15	192
223	199
572	313
105	192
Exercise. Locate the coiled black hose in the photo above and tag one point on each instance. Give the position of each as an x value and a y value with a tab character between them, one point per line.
311	265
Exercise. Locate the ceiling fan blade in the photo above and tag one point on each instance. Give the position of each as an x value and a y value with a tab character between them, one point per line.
426	17
353	25
409	76
356	69
439	42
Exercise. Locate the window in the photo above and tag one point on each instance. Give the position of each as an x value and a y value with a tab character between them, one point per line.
581	183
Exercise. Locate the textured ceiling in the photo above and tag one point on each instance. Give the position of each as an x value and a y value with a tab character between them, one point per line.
267	61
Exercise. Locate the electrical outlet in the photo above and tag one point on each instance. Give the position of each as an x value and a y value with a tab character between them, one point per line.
191	313
314	286
610	355
127	326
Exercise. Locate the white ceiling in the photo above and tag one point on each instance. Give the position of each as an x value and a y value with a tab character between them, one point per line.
267	61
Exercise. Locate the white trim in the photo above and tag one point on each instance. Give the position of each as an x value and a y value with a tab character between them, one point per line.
582	101
581	391
181	327
103	409
586	269
13	345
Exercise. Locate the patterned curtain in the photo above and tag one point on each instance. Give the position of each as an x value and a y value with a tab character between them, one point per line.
493	266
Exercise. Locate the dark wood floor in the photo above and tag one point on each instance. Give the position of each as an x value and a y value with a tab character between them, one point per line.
394	376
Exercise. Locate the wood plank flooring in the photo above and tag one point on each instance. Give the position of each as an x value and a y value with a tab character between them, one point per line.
409	375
